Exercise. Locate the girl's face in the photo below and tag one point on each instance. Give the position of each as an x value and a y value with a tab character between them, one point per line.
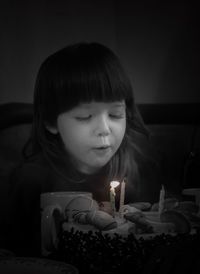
92	133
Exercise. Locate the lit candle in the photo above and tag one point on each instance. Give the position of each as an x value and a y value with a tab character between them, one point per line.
113	185
161	200
122	197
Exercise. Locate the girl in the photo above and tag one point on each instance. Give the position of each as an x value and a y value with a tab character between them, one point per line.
83	136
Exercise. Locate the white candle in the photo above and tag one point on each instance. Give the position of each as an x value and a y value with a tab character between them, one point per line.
113	185
122	197
161	200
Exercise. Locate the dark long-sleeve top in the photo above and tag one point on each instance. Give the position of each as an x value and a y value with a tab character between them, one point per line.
37	175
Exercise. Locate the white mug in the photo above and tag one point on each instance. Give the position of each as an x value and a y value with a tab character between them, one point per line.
53	211
193	192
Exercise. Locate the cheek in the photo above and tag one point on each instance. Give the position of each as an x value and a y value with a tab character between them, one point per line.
120	131
73	137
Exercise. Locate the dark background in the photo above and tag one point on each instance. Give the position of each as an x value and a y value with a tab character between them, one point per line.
158	43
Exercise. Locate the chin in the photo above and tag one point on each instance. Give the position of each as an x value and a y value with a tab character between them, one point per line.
99	165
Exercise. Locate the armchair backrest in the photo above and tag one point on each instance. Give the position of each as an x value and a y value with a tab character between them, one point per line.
15	126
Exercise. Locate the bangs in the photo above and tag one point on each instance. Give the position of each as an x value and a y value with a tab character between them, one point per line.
92	86
81	74
91	77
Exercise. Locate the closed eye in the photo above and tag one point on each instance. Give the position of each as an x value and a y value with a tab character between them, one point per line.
83	118
117	116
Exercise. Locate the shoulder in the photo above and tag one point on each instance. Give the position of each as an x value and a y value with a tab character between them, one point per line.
35	164
31	172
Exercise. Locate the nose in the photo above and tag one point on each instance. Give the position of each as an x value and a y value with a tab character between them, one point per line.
102	126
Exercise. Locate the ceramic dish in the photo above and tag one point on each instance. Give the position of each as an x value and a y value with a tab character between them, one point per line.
28	265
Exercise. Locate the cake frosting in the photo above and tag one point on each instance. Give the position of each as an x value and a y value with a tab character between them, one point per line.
142	219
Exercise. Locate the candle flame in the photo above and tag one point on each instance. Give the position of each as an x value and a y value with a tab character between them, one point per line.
114	184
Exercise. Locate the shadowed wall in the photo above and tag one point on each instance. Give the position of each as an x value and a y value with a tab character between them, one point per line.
157	43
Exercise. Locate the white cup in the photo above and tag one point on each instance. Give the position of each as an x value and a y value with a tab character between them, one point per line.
193	192
53	212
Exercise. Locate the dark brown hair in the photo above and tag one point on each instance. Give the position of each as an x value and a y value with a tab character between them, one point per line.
81	73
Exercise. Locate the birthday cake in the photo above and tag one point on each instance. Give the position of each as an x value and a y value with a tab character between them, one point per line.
98	240
98	249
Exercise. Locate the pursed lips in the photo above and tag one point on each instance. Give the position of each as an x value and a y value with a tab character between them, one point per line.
102	150
102	147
